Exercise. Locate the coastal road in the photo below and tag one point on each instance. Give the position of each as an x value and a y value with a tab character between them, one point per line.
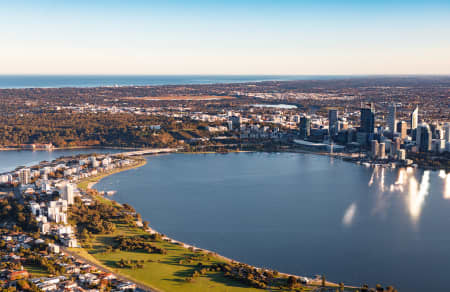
139	287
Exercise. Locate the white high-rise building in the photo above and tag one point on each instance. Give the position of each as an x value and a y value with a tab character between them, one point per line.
415	118
46	186
392	118
25	176
68	193
35	208
53	213
401	154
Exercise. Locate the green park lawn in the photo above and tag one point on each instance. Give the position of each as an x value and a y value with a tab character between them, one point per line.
163	272
36	271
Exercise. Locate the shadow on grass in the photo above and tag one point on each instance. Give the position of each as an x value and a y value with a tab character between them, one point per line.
220	278
213	277
111	264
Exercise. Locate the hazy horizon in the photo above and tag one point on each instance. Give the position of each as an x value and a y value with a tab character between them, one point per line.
231	74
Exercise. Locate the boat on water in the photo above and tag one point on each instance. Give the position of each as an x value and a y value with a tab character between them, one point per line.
108	193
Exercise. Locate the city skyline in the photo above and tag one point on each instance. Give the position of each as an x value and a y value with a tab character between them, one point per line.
248	37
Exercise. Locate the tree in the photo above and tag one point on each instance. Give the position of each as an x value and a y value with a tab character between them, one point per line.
291	281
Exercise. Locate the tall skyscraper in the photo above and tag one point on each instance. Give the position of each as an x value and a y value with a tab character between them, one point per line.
305	127
25	176
423	138
367	119
402	128
415	118
397	143
375	148
235	122
342	125
392	118
447	132
382	150
332	119
436	131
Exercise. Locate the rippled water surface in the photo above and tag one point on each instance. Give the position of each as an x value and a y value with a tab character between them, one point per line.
301	214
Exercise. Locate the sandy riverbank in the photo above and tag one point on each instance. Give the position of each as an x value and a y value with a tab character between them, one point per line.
90	182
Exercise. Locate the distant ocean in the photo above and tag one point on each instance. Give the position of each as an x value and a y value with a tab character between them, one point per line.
56	81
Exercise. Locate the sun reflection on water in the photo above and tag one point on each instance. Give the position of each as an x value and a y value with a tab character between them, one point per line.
349	215
417	193
407	185
411	186
446	186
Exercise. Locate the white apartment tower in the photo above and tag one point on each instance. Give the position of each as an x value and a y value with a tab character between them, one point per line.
415	118
25	176
68	193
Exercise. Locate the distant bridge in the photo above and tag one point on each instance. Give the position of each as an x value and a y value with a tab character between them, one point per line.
147	151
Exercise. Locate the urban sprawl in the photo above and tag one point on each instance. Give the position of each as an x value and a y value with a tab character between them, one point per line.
394	122
47	192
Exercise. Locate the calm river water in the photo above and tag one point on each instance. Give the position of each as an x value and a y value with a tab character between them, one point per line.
301	214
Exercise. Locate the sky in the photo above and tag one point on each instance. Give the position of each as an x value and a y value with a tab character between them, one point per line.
286	37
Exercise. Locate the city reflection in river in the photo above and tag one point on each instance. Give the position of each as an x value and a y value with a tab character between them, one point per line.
349	215
446	178
417	194
412	184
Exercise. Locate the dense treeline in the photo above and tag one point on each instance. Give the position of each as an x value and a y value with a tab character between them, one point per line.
96	218
65	129
11	211
262	278
138	243
22	286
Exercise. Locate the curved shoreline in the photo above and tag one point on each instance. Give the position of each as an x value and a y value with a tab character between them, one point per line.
150	230
92	181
